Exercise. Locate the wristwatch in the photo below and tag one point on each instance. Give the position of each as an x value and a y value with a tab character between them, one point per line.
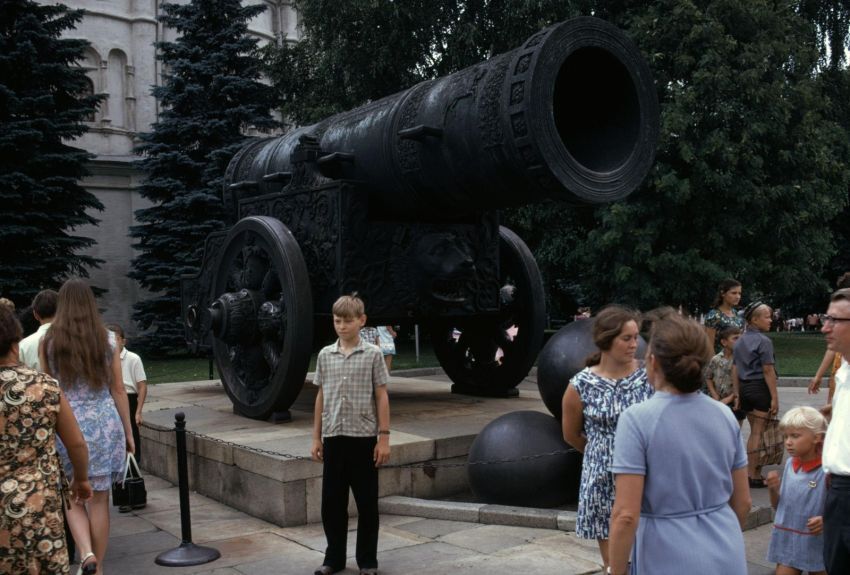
384	432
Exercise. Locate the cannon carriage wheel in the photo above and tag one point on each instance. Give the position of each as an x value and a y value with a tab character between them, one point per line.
467	347
262	319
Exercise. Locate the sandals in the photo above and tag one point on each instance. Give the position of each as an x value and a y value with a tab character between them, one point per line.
757	483
91	567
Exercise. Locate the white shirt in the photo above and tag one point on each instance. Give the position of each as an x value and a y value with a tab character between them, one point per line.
836	447
132	371
28	348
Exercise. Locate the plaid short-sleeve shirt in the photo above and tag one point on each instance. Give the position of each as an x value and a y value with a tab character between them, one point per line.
348	389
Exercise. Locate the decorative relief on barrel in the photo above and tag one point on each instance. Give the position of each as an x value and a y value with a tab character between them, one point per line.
407	151
522	64
489	119
517	93
518	125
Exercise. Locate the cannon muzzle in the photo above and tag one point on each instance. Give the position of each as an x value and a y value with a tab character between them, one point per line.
570	115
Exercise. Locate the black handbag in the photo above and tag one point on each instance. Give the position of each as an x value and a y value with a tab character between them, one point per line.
130	489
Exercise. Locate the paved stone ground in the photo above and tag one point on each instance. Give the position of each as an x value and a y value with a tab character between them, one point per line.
250	546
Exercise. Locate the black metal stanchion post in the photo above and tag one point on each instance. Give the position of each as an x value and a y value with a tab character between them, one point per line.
187	553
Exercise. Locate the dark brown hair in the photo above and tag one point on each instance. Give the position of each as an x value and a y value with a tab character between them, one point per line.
682	349
727	332
607	325
843	281
44	303
116	329
10	330
722	288
77	340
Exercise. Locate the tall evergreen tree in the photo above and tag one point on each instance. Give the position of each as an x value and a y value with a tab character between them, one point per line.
44	99
210	96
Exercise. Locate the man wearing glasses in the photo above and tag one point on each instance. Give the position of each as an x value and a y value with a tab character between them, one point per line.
836	449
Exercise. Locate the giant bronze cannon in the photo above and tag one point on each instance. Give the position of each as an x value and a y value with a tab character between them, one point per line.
399	200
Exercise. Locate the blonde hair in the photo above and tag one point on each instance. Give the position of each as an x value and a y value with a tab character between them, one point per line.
804	418
349	306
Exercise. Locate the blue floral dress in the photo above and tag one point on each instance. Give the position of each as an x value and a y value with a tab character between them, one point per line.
101	425
603	401
717	320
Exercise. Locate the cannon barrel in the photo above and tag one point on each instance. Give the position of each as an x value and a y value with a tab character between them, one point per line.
571	115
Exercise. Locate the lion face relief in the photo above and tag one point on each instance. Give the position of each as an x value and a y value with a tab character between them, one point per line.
444	267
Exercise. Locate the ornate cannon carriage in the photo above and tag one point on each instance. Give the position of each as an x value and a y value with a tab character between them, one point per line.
399	200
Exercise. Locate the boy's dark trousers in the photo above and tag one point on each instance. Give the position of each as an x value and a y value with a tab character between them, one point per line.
348	462
133	400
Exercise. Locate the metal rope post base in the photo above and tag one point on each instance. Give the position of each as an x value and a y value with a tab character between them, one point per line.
187	553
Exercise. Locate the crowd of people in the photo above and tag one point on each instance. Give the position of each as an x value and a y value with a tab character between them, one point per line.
665	466
67	427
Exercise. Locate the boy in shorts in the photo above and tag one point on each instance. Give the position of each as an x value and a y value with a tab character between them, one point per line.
351	436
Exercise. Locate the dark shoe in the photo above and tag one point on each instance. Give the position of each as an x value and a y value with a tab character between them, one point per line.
125	509
88	565
369	571
757	483
326	570
139	506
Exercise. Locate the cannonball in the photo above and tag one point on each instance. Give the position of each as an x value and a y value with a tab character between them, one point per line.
546	481
562	357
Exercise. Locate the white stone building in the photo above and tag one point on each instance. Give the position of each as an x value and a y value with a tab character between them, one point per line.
121	63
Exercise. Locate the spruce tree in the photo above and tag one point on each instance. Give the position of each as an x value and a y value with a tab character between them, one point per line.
210	96
43	101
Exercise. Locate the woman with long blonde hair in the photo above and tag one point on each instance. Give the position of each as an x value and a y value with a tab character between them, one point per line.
80	352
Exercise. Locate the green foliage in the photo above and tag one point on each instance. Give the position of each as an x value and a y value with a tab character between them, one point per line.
749	165
750	170
43	104
211	95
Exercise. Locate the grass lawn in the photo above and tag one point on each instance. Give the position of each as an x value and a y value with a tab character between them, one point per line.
798	353
188	368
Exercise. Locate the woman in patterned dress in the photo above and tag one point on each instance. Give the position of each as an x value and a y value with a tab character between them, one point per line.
724	311
613	380
80	352
32	537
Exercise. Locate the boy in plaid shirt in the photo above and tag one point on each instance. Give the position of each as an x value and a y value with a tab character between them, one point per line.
351	435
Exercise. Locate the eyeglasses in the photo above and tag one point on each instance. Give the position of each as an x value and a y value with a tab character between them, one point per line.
828	319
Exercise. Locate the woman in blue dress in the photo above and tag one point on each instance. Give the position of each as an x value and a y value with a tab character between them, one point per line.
724	311
79	352
680	466
613	380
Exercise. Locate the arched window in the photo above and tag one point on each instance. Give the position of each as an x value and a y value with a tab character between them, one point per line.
116	87
89	91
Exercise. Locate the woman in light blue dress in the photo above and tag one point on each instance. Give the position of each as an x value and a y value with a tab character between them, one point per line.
613	380
79	352
680	467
